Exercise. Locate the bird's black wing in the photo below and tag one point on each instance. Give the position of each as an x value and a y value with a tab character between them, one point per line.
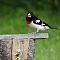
37	21
40	22
45	24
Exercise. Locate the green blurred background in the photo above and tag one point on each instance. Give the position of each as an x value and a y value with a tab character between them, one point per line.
12	21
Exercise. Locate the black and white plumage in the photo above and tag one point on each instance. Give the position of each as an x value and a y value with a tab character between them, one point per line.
35	22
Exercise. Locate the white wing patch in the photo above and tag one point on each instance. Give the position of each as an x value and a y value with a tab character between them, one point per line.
37	21
43	24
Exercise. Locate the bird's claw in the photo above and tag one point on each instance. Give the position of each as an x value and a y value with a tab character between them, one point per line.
34	32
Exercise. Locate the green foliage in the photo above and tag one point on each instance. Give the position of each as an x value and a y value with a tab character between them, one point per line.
53	5
12	20
48	49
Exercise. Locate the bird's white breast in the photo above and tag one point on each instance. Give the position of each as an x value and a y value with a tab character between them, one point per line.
36	26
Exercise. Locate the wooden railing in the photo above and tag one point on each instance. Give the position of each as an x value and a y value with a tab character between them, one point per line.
20	46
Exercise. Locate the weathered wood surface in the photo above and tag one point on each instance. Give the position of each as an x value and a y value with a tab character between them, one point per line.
21	44
24	36
26	48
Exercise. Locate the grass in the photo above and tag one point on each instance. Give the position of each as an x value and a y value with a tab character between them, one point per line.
13	21
48	49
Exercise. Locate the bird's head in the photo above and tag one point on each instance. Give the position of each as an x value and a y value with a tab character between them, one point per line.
29	17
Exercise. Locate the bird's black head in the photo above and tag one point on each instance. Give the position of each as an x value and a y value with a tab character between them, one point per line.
29	17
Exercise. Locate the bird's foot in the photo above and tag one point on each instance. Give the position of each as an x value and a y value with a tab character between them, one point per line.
33	33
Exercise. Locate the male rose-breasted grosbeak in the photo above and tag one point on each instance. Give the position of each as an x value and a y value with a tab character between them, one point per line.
36	23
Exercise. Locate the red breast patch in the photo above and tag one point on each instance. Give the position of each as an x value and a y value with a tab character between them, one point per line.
28	22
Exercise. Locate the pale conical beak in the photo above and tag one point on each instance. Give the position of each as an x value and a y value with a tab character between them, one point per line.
29	15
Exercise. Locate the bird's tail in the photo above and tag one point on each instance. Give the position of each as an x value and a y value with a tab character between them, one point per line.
54	28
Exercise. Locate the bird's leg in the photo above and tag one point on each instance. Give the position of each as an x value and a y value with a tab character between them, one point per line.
32	33
37	31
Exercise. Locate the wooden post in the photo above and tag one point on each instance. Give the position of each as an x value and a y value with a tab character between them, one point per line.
22	45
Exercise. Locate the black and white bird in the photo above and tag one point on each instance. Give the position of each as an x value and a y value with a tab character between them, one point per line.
36	23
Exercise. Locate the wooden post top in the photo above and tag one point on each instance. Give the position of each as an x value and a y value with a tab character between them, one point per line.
24	36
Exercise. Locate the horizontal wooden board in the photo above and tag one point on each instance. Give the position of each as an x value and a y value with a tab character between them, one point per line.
24	36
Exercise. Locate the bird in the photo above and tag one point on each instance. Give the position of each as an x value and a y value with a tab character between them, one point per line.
36	23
